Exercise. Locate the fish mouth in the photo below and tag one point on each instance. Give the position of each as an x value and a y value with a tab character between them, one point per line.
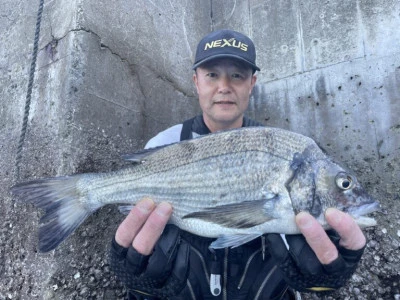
358	214
365	209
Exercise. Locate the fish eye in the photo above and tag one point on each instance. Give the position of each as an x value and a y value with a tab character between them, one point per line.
344	181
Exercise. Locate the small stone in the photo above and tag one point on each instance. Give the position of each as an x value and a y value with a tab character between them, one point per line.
84	291
356	278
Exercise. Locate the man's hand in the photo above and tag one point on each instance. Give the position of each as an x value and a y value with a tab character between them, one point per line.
319	260
142	228
147	255
351	236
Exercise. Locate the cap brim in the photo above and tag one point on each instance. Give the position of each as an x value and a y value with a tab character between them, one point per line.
253	66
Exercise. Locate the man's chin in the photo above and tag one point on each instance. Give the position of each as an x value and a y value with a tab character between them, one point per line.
227	121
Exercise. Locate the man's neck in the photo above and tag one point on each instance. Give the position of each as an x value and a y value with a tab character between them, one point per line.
219	126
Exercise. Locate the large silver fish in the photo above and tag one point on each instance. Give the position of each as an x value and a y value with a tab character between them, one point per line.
234	185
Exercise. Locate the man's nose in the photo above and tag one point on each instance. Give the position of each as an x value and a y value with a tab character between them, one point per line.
224	84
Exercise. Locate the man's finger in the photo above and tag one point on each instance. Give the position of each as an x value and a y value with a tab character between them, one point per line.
152	229
351	236
131	225
317	238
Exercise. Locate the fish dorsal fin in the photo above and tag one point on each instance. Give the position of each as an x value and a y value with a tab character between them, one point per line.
140	156
240	215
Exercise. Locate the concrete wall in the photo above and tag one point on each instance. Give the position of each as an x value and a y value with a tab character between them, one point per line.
111	74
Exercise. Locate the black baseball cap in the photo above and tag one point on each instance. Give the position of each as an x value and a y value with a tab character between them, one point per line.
226	43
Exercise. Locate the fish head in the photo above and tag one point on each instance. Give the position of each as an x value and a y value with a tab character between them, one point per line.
338	187
320	184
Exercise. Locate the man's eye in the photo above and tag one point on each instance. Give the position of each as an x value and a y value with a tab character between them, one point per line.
238	76
212	75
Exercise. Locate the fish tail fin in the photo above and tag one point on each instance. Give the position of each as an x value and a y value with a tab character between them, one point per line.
64	204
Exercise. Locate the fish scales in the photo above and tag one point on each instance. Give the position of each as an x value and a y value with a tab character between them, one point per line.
182	154
193	185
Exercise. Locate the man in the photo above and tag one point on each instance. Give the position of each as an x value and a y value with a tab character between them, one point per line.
156	261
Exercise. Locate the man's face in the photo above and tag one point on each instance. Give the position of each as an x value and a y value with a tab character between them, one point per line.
224	87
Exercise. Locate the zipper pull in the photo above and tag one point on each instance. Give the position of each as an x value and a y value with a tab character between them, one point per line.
215	278
263	247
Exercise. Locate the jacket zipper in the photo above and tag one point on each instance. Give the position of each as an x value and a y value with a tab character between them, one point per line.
191	289
225	273
265	282
203	262
225	294
215	276
246	268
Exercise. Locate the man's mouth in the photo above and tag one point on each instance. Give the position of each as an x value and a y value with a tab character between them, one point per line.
224	102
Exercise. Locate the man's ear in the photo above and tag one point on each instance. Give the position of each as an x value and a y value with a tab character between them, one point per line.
195	80
253	83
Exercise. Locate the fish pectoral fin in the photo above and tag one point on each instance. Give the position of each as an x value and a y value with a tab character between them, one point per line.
241	215
233	241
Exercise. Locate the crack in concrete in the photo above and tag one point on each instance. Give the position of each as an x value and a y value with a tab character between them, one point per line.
55	41
115	103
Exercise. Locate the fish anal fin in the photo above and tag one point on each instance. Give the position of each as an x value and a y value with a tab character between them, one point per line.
233	241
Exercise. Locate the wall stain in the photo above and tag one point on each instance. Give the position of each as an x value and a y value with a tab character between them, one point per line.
320	87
